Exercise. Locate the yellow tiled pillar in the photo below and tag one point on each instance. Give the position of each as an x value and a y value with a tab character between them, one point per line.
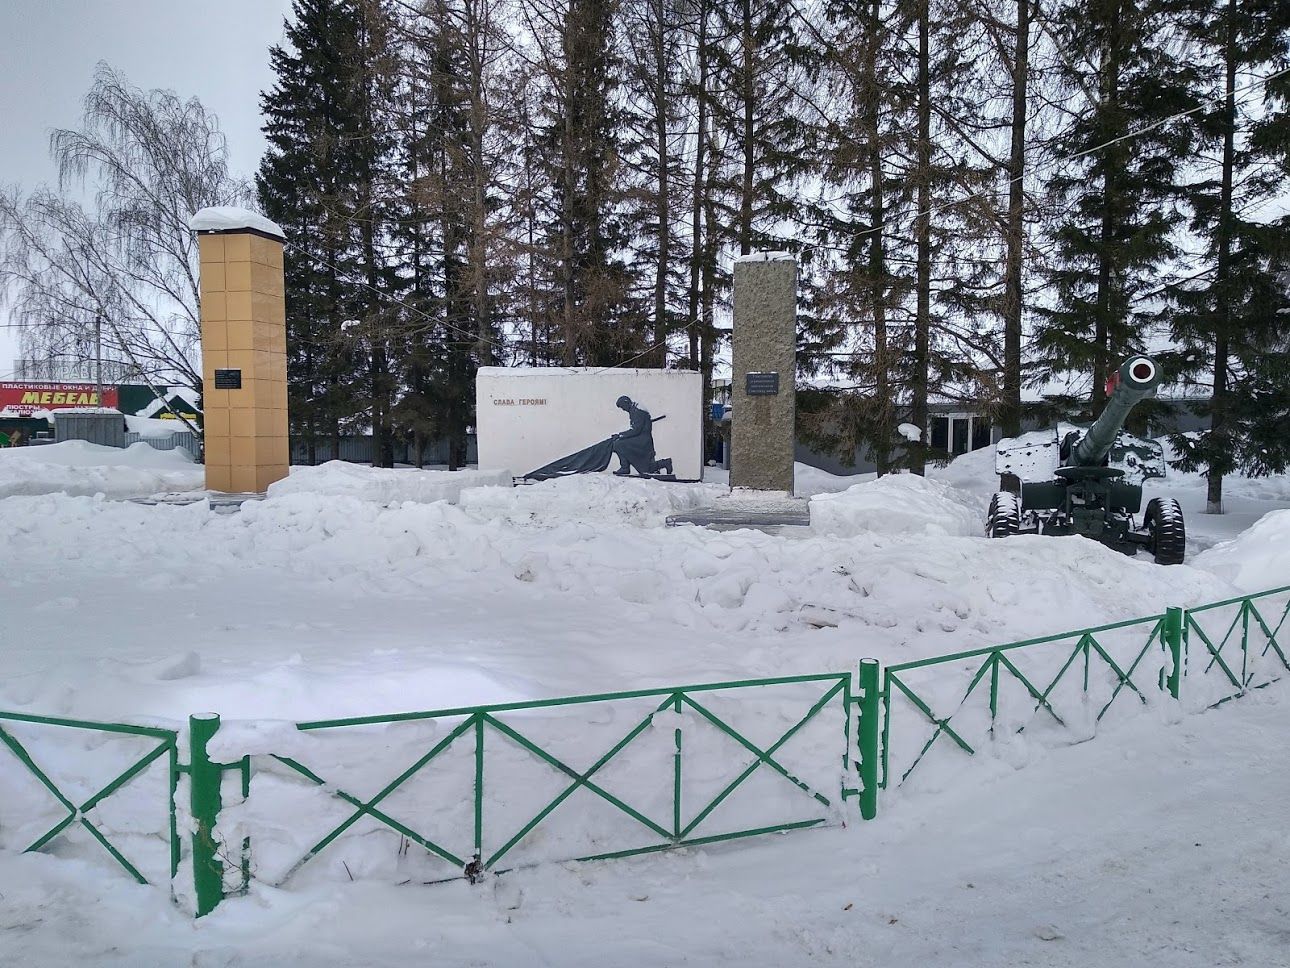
244	350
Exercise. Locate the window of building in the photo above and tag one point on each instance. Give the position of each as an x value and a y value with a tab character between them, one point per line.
959	433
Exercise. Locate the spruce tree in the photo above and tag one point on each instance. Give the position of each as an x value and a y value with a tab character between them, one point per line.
866	138
1123	61
1232	328
309	182
595	317
653	38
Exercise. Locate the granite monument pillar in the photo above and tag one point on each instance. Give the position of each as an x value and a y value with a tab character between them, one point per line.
764	348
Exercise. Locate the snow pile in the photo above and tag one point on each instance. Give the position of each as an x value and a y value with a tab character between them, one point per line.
349	607
896	504
154	427
587	499
338	478
971	473
808	480
79	468
1258	559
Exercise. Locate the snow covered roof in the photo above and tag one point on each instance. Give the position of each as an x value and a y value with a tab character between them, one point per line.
227	218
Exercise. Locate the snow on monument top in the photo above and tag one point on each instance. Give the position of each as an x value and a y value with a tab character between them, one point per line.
227	218
766	257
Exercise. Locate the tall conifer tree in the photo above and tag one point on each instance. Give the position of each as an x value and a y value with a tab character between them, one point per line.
1120	197
1232	328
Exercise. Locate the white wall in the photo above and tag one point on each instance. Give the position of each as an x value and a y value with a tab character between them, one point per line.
529	416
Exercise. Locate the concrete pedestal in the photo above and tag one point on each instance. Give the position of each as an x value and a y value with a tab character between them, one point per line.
764	349
244	350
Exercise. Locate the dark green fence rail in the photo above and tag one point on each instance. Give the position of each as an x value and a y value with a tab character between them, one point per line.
77	813
1234	644
482	726
1078	655
1201	657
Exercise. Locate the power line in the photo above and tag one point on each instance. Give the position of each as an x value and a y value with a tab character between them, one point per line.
1137	132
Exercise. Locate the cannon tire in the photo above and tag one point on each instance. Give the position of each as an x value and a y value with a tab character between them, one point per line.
1166	533
1004	517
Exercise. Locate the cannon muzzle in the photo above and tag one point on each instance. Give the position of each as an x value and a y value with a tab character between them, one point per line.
1135	380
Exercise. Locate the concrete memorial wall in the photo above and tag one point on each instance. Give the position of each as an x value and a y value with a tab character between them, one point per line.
531	418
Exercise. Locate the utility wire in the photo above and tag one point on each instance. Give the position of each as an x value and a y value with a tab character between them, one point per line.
1137	132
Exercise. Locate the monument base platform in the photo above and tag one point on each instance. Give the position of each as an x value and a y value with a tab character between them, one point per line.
768	511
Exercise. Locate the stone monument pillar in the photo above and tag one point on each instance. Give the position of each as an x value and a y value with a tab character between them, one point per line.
244	349
764	348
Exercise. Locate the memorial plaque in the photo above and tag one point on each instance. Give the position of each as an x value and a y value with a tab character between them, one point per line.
228	379
761	384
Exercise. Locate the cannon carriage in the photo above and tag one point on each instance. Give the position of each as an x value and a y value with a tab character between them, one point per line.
1088	480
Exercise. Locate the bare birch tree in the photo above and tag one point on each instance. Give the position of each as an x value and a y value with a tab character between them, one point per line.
112	242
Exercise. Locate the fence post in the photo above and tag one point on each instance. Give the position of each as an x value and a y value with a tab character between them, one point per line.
1172	633
867	737
204	801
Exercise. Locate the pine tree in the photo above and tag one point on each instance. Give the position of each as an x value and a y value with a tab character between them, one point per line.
585	229
1120	195
952	223
762	65
866	138
653	35
447	222
315	181
1232	326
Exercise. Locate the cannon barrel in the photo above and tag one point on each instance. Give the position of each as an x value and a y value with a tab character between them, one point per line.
1136	379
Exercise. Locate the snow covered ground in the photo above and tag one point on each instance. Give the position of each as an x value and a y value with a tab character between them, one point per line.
353	592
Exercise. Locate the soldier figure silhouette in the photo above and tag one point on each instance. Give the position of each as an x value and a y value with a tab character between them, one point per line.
635	446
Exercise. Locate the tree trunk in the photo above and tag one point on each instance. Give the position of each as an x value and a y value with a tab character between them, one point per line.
569	189
1219	417
1106	302
923	311
663	210
697	238
748	94
877	257
1010	412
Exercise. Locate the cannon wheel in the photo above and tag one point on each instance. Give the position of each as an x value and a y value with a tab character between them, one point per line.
1167	535
1004	517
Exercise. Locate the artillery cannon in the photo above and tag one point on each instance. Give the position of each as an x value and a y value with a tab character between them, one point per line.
1088	481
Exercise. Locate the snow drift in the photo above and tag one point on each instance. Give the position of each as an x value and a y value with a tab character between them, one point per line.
1258	559
79	468
338	478
896	504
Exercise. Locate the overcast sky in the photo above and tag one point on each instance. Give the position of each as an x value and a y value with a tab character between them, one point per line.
214	50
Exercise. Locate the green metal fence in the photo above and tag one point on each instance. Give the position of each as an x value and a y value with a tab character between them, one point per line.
1201	656
1232	646
689	762
1086	664
77	814
669	804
